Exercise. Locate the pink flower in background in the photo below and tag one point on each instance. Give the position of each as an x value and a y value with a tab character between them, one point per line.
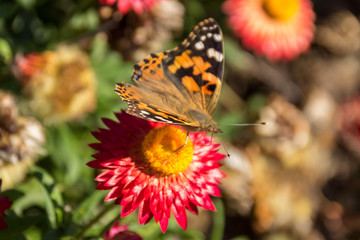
143	169
277	29
120	232
28	65
138	6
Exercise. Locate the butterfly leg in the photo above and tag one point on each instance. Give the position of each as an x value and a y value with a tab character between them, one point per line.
186	140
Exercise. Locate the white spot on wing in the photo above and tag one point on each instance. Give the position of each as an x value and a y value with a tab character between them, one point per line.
209	35
199	46
203	38
212	53
217	37
145	112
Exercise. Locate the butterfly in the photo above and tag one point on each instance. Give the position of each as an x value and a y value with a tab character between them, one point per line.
180	86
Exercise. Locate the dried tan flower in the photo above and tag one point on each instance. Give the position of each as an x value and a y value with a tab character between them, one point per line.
287	130
291	140
21	139
60	84
340	33
283	198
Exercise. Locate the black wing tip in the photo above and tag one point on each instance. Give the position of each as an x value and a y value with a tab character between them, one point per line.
209	20
117	86
204	26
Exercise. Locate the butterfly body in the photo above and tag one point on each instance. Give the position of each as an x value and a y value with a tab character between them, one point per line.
180	86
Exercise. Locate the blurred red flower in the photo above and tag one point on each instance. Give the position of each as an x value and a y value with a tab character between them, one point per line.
277	29
121	232
138	6
144	169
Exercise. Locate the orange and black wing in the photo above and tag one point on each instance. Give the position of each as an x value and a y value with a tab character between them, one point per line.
179	86
197	64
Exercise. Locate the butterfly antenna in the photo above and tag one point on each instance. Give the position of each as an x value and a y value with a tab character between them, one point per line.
245	124
227	153
239	124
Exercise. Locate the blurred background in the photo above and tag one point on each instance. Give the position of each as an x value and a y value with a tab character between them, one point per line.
295	178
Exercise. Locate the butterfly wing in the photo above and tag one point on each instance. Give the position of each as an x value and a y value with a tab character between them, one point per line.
152	94
139	106
180	86
197	64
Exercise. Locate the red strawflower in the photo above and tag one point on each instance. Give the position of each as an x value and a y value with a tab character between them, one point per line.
121	232
126	5
143	169
5	204
278	29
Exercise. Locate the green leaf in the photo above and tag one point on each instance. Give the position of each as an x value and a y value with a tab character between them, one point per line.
103	217
87	20
5	51
52	196
109	69
108	218
17	225
69	151
33	233
82	213
12	194
27	4
52	234
49	205
7	9
32	196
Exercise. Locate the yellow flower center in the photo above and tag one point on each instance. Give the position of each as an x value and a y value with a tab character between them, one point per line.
281	9
165	152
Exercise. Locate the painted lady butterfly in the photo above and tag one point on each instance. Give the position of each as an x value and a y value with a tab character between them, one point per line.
180	86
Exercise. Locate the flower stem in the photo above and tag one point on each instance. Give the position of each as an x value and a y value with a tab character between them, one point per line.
80	233
218	220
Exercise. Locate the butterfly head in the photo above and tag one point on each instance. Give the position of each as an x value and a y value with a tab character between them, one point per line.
212	127
209	126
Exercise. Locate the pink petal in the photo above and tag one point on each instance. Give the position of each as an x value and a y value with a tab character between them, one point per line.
179	213
145	214
164	223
